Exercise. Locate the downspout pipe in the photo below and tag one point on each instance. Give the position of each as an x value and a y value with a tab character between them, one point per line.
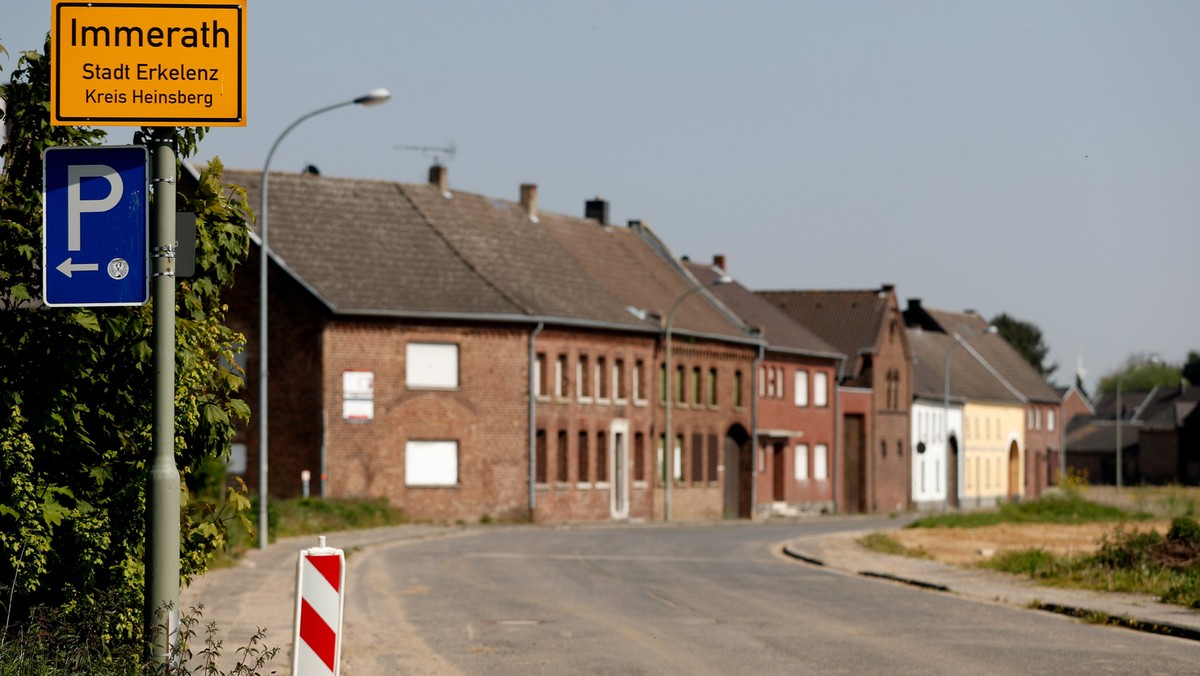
533	419
762	348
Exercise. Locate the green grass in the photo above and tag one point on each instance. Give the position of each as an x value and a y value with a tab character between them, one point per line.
886	544
1067	508
310	516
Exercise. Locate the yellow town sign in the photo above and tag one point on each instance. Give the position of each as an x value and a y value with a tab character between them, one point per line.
143	63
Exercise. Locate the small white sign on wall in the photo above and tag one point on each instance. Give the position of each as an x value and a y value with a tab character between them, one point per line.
358	396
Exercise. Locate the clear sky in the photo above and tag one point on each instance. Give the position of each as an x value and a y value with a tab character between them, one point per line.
1040	158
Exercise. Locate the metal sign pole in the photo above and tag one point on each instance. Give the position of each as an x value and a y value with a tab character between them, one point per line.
162	490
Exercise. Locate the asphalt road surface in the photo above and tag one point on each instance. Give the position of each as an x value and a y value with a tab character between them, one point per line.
716	599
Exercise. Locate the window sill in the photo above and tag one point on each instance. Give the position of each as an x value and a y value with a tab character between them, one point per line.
641	485
562	485
601	485
583	486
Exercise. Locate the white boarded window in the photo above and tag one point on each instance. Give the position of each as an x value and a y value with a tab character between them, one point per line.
1050	419
431	365
801	462
820	389
820	462
431	463
801	387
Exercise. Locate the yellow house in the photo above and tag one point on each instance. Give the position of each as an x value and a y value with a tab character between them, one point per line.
993	452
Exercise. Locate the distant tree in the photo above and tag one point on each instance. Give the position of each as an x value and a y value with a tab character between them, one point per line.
1191	368
75	404
1141	373
1026	339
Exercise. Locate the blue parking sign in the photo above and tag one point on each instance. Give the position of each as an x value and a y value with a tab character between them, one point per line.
95	230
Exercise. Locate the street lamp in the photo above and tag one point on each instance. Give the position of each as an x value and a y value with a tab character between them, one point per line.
669	393
958	340
371	98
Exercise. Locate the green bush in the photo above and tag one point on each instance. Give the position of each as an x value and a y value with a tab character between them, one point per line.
1036	562
1184	530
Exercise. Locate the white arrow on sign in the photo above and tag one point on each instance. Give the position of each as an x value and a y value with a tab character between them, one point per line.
68	268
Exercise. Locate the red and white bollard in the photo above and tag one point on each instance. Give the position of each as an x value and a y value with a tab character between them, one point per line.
320	586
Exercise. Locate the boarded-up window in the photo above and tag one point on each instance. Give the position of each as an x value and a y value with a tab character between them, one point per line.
820	462
820	389
431	365
431	463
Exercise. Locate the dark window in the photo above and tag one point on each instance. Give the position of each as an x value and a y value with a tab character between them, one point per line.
543	472
539	376
680	373
883	448
662	382
639	457
585	377
695	385
698	458
563	473
713	450
584	470
712	387
737	389
601	456
602	376
639	380
619	386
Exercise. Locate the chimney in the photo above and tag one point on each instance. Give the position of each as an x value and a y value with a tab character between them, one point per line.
914	304
529	200
439	176
719	261
634	224
596	210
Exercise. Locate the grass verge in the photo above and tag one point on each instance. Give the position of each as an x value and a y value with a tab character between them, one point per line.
1066	508
310	516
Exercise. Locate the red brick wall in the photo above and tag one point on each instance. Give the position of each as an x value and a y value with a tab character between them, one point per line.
1041	446
782	423
891	473
294	377
486	415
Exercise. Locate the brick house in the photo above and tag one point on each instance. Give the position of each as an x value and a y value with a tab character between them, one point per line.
1036	464
797	454
874	390
470	358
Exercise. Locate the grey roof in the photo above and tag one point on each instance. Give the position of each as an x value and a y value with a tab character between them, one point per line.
996	351
378	247
777	329
850	321
969	378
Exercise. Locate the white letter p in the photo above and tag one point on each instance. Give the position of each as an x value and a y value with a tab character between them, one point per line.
76	205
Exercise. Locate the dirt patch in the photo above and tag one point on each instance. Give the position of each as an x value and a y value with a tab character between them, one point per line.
966	546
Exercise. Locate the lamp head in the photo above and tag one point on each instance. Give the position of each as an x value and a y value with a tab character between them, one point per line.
373	97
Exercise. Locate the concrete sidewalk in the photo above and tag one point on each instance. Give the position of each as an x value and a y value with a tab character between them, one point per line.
260	591
841	552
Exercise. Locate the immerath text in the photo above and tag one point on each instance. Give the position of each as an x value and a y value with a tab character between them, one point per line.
210	34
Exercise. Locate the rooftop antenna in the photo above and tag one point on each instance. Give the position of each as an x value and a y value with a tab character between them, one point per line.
435	152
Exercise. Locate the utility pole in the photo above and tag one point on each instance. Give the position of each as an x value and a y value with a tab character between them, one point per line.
162	488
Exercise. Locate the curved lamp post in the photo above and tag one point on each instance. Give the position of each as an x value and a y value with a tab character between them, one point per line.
669	394
371	98
958	340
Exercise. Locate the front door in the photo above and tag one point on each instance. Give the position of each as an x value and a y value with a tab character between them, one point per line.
619	469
